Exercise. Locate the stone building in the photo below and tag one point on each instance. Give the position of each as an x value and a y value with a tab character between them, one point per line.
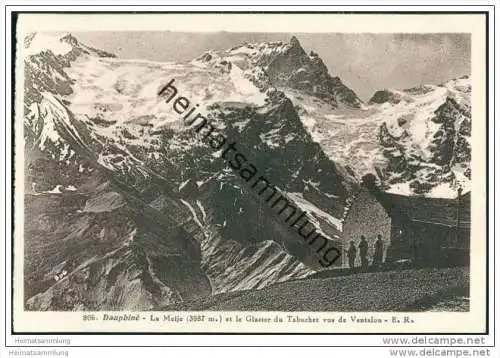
366	216
424	231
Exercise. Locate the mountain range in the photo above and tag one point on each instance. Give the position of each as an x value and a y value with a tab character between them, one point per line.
126	209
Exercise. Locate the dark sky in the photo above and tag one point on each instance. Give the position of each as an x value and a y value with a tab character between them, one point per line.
364	62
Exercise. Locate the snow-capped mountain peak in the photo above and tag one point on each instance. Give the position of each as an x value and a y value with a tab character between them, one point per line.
65	45
286	66
38	42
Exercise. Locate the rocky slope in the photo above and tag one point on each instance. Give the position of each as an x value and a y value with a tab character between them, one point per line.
130	210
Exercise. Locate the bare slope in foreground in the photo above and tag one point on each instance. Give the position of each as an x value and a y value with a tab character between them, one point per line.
408	290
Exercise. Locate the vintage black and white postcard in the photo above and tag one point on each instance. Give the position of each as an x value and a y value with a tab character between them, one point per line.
265	173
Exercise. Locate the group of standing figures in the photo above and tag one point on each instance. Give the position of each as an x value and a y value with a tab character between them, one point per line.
363	252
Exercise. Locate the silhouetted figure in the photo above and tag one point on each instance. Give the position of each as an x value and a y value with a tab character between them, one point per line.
363	252
351	254
379	251
417	254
